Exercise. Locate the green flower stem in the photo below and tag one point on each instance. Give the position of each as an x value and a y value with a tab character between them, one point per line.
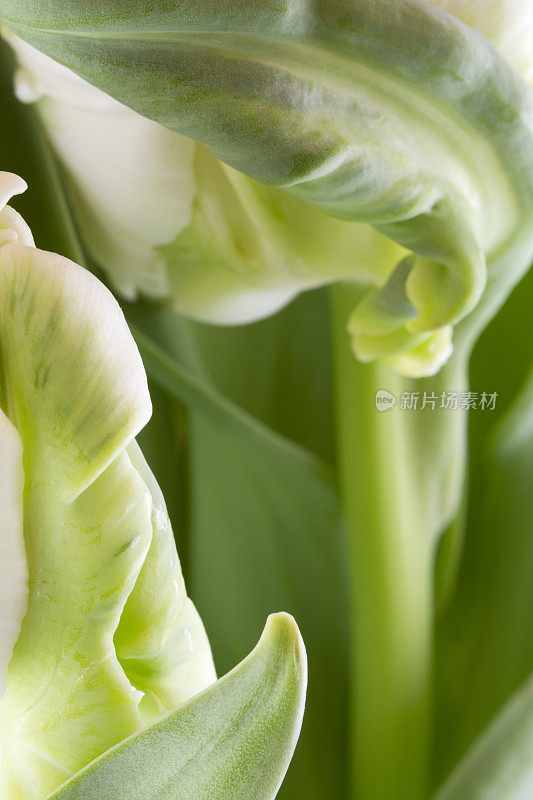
391	577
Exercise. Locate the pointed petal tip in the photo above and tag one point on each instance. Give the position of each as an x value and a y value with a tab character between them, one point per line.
282	632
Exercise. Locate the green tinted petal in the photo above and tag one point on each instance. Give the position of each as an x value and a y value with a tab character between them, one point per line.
165	219
339	109
76	392
160	641
233	741
74	388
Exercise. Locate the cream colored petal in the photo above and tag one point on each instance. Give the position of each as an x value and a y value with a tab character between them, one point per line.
13	566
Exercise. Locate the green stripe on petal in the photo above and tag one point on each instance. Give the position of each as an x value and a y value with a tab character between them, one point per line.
389	112
77	387
160	641
96	536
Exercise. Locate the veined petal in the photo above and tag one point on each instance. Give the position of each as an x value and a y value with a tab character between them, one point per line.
166	219
97	539
331	102
160	641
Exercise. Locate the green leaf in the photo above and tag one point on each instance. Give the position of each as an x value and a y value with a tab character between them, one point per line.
191	389
499	765
272	503
235	740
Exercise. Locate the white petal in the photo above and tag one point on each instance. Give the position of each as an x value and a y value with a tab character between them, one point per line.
10	184
13	566
132	179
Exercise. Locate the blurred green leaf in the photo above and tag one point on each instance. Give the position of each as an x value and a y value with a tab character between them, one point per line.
24	151
500	764
484	642
260	500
